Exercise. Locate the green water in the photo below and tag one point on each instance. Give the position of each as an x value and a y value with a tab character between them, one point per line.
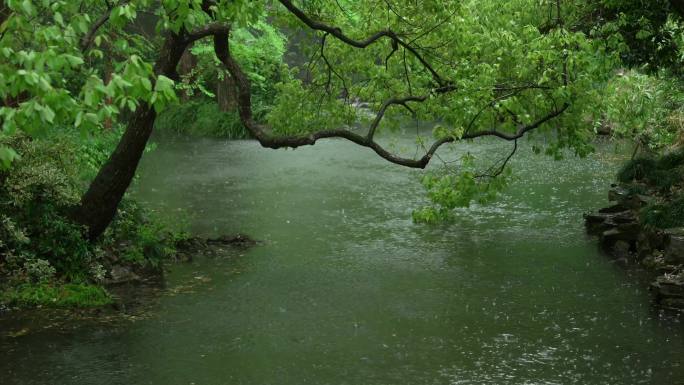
345	289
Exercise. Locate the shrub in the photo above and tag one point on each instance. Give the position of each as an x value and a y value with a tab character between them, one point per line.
671	160
140	240
201	118
645	108
35	195
661	173
43	255
636	170
664	215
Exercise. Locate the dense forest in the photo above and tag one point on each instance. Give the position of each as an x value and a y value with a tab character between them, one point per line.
469	100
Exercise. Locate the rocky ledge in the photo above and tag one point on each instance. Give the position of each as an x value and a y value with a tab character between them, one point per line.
623	236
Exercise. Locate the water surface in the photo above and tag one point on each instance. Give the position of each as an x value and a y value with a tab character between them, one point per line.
345	289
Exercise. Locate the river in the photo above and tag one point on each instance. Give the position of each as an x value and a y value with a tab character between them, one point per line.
345	289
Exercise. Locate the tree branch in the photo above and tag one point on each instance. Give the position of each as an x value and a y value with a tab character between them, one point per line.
208	30
337	32
266	139
501	168
87	40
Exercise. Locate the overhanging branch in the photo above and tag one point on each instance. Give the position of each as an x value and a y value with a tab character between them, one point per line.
266	139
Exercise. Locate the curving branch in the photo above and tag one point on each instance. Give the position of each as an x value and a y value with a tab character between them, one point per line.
266	139
210	29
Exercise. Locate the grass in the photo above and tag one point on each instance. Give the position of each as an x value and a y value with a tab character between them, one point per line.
52	295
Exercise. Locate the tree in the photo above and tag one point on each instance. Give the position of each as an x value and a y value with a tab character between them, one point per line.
475	68
650	29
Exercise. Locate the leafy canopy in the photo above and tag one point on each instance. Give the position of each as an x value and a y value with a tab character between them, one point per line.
468	67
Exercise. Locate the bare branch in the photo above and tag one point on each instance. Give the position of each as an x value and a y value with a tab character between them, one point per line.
500	169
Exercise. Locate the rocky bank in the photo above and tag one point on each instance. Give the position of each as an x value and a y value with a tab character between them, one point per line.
623	236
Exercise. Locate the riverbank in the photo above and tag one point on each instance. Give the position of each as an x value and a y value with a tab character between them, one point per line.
645	224
124	284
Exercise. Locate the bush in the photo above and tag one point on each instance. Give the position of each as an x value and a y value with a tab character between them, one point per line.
35	196
671	160
636	170
201	118
645	108
44	257
662	173
139	240
664	215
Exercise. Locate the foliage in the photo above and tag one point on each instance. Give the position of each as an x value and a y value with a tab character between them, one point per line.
664	215
34	198
493	52
648	109
201	118
259	49
649	32
505	64
138	239
662	173
636	169
43	255
447	191
49	78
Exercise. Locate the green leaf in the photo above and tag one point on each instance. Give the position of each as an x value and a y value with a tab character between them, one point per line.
7	156
47	114
27	7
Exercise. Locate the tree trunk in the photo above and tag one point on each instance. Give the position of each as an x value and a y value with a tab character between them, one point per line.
226	94
99	204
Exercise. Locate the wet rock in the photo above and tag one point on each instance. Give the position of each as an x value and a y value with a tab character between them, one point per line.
122	274
618	193
674	245
621	251
669	290
237	240
627	199
616	208
598	223
628	232
604	130
191	246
